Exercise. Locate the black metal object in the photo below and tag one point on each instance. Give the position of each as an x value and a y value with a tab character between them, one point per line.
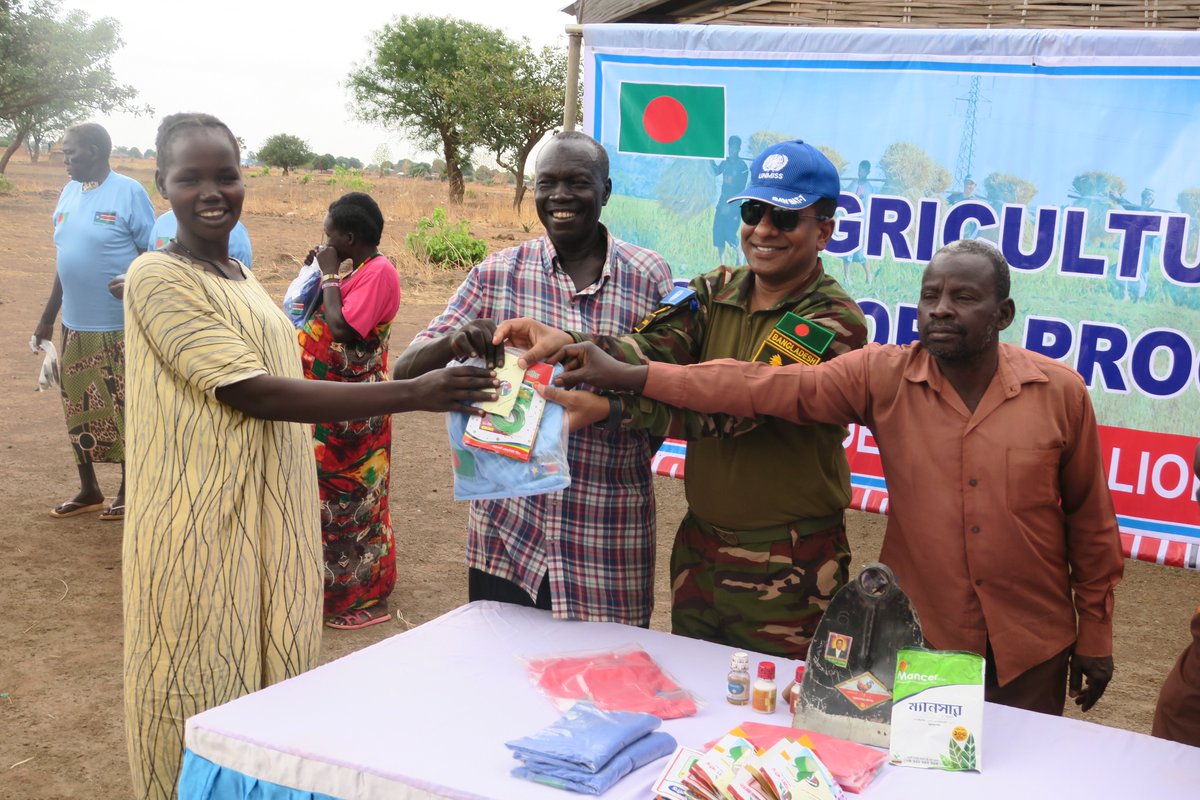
847	686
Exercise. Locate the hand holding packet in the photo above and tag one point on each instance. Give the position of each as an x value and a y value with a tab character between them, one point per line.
519	455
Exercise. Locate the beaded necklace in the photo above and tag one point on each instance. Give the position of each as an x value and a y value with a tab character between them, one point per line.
187	251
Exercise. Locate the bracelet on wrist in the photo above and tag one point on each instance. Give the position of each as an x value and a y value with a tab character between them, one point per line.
615	412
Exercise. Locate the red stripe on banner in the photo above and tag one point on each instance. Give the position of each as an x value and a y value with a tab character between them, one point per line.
1149	476
1175	553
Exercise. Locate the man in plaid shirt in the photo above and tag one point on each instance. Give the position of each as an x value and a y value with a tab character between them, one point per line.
763	547
588	552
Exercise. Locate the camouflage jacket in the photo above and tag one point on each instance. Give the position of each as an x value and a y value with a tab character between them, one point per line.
745	473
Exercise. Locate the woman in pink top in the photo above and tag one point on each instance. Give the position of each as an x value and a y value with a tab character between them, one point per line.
346	339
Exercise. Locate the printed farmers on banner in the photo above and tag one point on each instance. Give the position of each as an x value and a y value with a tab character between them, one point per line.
1072	152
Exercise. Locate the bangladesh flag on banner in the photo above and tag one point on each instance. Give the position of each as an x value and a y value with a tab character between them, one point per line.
672	120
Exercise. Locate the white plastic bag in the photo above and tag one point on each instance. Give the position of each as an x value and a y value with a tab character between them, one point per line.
49	373
303	293
486	474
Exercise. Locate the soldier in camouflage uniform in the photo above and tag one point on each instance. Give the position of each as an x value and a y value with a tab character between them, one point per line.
763	547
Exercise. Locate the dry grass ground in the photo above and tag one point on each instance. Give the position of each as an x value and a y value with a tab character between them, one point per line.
61	733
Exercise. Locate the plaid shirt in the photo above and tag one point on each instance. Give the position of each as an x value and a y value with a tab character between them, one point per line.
595	539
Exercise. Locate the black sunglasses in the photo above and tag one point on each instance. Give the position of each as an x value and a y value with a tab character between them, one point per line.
784	219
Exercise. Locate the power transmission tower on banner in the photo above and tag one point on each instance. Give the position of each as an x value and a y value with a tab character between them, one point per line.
966	146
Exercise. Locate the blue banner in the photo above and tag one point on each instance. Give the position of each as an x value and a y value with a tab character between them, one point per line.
1073	151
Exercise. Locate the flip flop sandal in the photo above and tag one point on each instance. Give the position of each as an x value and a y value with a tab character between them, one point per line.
353	620
113	513
71	508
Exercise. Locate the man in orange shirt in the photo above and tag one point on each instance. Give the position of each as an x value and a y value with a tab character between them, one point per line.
1177	715
1001	527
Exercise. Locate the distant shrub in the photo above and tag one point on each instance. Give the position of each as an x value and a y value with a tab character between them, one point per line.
6	185
262	173
438	242
307	177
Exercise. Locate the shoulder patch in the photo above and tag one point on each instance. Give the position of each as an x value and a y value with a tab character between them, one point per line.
678	298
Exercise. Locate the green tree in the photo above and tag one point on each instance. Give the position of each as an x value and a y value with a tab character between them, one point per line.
420	170
55	70
423	74
285	151
524	92
383	155
324	162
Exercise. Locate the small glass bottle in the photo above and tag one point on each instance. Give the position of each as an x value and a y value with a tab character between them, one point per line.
738	680
763	695
792	692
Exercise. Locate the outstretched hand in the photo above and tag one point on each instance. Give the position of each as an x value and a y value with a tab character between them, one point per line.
583	408
586	363
477	339
539	340
453	389
1098	670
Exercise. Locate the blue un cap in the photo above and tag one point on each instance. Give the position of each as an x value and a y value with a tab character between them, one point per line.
791	175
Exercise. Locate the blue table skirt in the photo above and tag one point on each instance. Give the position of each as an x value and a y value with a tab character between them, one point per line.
201	779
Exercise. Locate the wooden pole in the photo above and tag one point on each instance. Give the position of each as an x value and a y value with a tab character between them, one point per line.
574	44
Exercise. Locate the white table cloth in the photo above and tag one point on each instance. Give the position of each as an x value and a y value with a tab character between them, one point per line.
425	714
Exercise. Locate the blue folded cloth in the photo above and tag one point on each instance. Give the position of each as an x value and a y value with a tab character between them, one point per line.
585	737
643	751
484	475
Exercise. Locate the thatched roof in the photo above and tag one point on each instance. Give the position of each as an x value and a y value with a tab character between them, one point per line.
1165	14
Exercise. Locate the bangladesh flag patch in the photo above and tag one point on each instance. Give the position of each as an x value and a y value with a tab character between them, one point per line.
106	218
672	120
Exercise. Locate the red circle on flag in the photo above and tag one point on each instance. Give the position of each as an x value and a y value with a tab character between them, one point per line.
665	119
802	330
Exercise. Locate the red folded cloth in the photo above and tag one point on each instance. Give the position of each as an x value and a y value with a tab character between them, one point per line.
852	765
621	680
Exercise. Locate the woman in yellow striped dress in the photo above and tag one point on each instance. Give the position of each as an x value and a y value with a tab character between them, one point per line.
222	551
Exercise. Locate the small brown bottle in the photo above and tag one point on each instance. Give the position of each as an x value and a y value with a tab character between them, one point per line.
764	694
792	693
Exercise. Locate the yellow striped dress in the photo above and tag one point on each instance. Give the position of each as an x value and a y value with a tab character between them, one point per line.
222	550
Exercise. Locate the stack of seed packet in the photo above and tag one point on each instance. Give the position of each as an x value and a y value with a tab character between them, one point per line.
732	770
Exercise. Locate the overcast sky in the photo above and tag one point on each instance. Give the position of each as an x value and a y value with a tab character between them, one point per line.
267	68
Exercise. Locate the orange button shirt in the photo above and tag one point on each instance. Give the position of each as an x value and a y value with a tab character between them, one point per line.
1000	524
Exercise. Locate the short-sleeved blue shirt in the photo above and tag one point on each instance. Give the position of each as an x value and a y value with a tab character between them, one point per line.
98	233
166	225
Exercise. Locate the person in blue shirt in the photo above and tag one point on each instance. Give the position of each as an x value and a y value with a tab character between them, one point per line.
101	223
239	238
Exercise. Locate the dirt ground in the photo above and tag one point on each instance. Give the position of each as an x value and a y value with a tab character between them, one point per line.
61	732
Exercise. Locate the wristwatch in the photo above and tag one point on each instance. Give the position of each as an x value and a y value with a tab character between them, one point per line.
615	412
